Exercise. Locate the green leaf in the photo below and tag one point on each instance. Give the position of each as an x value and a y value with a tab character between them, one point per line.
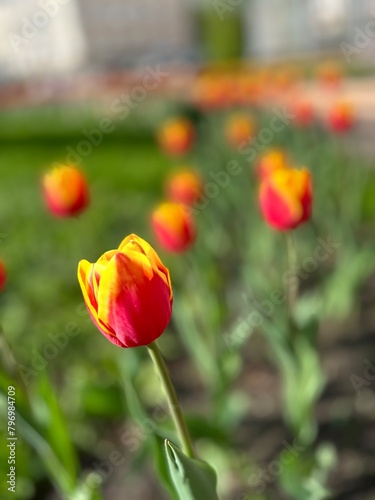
303	382
59	475
193	479
51	419
162	467
88	489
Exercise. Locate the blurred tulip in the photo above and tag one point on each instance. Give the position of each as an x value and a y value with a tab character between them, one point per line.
248	89
173	226
65	191
275	159
239	128
330	75
176	136
3	276
184	186
303	111
341	116
283	79
286	198
212	91
128	293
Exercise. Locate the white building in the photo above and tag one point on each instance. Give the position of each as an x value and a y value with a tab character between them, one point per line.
44	37
287	27
39	37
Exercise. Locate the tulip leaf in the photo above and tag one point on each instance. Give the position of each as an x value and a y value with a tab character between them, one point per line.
57	471
192	478
162	467
88	489
50	417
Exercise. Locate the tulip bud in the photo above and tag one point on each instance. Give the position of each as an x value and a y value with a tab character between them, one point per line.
240	128
65	191
286	198
128	293
272	160
173	226
176	136
185	186
3	276
341	117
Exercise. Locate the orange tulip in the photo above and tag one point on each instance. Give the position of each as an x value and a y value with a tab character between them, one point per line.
176	136
212	91
304	113
65	191
286	198
185	186
248	89
173	226
341	117
330	75
272	160
128	293
3	276
240	128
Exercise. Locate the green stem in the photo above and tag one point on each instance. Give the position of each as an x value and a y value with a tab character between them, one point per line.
7	355
292	286
173	402
292	289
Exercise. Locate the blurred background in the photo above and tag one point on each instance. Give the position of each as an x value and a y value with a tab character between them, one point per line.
91	84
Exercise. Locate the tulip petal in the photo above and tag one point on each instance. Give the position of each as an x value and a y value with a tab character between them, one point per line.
134	299
286	198
147	249
85	276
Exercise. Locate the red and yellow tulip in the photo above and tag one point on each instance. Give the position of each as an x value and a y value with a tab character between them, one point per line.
173	227
272	160
212	91
330	75
176	136
239	128
128	293
184	186
3	276
286	198
66	192
303	111
341	116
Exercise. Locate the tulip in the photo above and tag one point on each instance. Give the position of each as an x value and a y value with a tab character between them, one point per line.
173	226
185	186
303	113
65	191
330	75
341	117
3	276
249	89
284	79
272	160
286	198
128	293
176	136
212	91
240	128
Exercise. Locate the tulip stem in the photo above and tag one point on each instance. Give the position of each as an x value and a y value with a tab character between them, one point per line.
292	264
173	402
7	354
292	286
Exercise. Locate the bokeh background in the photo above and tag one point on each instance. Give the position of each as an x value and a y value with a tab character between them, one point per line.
65	66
